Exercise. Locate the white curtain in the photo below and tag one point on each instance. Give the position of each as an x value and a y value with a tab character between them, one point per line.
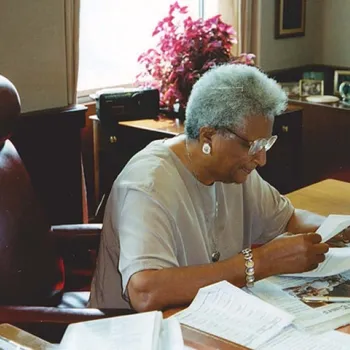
72	9
243	15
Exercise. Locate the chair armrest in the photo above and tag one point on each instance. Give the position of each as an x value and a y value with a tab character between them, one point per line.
50	323
37	314
84	235
77	245
76	231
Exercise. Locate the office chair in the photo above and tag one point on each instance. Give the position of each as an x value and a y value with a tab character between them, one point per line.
33	254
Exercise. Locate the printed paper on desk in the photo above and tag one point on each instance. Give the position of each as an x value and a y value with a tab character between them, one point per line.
230	313
291	338
287	292
147	331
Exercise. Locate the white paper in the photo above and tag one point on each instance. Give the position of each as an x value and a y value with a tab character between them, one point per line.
291	338
115	333
170	335
333	225
230	313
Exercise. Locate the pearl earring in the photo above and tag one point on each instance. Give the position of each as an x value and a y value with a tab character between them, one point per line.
206	149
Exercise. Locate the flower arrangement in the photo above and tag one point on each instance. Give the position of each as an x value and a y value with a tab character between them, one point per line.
186	49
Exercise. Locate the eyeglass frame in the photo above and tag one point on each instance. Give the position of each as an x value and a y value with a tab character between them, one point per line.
267	145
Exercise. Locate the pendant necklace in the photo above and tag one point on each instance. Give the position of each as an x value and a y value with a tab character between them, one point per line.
215	255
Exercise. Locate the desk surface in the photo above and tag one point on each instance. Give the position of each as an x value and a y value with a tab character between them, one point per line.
166	126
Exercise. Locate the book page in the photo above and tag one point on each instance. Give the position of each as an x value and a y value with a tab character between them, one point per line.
115	333
230	313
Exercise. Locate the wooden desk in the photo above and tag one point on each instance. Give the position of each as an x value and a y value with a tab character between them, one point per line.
165	126
325	197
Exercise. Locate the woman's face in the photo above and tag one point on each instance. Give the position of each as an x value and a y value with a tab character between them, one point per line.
231	161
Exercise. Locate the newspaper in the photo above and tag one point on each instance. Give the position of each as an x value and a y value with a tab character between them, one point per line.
287	293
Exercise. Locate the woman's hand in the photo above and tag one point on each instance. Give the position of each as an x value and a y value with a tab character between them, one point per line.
292	253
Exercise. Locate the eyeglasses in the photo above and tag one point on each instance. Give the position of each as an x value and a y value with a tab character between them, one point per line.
258	145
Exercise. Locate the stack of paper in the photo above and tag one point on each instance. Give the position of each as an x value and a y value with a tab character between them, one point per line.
232	314
146	331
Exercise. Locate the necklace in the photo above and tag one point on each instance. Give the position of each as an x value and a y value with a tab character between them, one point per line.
215	255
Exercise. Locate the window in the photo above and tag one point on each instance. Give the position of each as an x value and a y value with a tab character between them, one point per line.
113	33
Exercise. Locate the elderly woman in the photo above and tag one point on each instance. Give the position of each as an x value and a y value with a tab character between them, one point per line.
185	212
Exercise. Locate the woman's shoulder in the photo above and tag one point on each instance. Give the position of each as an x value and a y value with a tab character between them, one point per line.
152	167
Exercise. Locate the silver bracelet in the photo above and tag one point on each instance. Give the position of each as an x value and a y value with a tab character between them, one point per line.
249	267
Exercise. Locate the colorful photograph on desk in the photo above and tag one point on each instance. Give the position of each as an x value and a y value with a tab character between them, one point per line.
339	77
291	88
336	285
309	87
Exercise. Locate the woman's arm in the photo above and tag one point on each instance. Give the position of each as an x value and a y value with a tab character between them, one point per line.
303	221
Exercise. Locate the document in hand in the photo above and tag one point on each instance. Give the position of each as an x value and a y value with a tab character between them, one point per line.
147	331
337	259
230	313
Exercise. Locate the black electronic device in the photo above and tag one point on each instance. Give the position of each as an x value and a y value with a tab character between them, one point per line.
127	104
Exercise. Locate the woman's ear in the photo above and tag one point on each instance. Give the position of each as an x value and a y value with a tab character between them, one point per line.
206	134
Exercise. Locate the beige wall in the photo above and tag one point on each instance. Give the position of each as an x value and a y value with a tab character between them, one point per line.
336	33
32	47
290	52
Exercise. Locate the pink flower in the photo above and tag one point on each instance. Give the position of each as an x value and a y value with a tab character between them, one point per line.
186	49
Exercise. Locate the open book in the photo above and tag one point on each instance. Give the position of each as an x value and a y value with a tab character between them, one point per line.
147	331
337	259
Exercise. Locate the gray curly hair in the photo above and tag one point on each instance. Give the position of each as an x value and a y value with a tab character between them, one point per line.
226	95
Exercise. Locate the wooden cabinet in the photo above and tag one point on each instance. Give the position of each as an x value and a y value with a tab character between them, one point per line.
116	146
284	161
326	141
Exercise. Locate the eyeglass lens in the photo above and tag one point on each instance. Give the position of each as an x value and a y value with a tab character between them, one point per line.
258	145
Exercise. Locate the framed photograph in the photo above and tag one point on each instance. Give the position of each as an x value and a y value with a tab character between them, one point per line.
313	75
310	87
291	88
290	18
339	77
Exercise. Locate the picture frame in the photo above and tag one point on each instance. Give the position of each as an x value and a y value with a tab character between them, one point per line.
291	88
289	18
339	77
311	87
313	75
